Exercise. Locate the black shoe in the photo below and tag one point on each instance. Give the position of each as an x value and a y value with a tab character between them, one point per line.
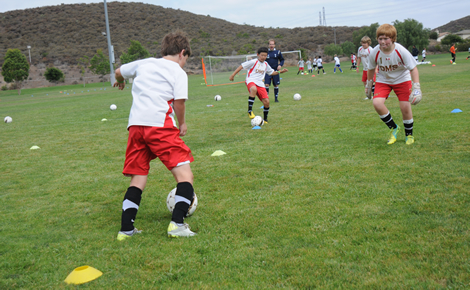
276	101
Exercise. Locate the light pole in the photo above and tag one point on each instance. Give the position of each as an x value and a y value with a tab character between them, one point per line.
29	49
110	47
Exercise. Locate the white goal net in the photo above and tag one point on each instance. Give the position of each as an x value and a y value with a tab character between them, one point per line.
217	69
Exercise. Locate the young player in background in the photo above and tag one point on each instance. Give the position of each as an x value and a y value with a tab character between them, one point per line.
320	65
275	61
257	69
452	53
363	53
309	65
337	64
301	66
159	91
423	53
353	61
314	64
397	72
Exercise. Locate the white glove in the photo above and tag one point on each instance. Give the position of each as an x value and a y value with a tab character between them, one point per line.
368	89
415	96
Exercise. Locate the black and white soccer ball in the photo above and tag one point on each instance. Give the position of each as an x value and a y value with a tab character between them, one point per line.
170	202
217	98
297	97
257	121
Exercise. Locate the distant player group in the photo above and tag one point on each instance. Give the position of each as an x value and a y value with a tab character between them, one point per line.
160	89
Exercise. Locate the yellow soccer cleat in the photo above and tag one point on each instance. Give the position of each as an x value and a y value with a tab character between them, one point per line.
392	137
410	140
175	231
251	115
123	236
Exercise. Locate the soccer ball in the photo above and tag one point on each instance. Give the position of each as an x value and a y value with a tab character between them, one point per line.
297	97
113	107
170	202
217	98
257	121
8	119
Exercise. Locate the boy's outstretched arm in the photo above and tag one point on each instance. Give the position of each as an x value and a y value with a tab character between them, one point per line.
120	83
180	109
235	72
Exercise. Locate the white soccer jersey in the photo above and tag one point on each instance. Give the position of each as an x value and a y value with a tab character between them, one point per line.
337	62
314	63
424	53
309	64
394	68
256	71
319	62
157	82
301	63
364	55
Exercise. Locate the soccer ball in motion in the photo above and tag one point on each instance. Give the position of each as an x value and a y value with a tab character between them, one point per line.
113	107
297	97
217	98
257	121
8	119
170	202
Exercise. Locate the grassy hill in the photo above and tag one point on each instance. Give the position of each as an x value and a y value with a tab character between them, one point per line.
64	33
456	25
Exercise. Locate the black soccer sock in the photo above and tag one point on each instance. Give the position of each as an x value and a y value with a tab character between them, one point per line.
266	112
388	120
130	206
267	90
276	92
251	101
408	124
183	198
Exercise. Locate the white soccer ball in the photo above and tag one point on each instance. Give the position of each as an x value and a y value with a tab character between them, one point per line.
170	202
217	98
257	121
113	107
8	119
297	97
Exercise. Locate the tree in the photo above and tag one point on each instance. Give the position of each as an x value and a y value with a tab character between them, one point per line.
332	49
366	31
15	68
53	74
83	64
348	47
451	38
99	64
433	35
411	32
134	52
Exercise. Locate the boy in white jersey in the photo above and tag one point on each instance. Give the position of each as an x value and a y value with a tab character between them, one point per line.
337	64
397	70
159	91
314	64
300	64
254	81
309	65
320	65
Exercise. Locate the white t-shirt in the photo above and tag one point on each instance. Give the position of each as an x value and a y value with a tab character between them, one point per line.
314	62
256	71
424	53
309	64
301	63
394	68
319	62
364	55
337	62
157	82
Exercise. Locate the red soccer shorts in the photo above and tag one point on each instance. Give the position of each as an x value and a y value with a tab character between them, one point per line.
402	90
364	76
262	94
147	143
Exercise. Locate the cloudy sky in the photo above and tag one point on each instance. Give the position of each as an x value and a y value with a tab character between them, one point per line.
300	13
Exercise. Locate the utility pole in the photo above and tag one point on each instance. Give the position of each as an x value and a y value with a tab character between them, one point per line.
319	15
110	47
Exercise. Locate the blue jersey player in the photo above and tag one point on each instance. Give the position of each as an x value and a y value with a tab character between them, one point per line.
275	61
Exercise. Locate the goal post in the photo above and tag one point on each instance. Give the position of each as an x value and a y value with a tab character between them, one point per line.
217	69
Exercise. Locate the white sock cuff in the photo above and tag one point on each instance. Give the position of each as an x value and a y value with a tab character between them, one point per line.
126	204
179	198
383	116
408	121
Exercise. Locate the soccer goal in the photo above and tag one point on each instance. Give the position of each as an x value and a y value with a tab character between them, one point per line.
217	69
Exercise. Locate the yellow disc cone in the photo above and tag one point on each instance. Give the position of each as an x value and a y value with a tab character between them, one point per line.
82	275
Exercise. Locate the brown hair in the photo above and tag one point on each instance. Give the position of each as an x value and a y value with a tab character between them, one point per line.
272	41
174	42
366	39
387	30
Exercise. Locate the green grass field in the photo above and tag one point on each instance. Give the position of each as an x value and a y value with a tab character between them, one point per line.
316	199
